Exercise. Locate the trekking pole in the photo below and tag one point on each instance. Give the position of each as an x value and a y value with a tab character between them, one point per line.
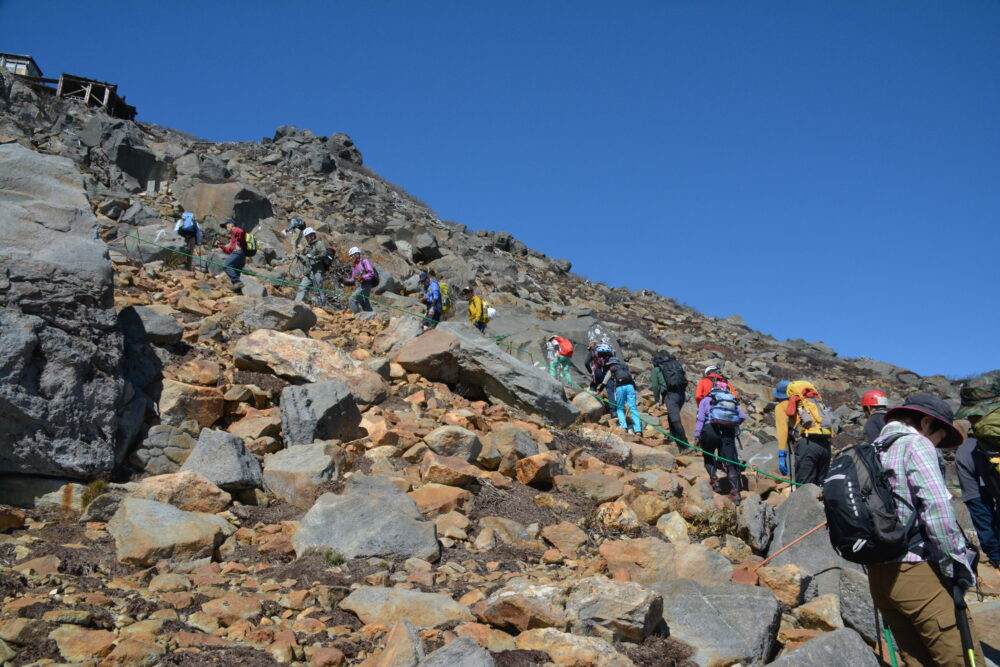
741	575
962	618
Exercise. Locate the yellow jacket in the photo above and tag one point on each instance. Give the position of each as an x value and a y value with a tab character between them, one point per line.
781	424
477	311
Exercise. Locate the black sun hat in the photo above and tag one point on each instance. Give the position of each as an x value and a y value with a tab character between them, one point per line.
932	406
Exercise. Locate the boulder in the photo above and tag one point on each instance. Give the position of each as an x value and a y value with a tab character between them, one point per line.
189	491
725	623
591	408
523	605
147	531
373	517
163	451
318	411
181	402
648	560
60	350
612	610
222	458
570	650
457	354
840	647
454	441
463	651
295	474
402	647
756	522
387	606
271	312
221	201
801	512
600	487
152	324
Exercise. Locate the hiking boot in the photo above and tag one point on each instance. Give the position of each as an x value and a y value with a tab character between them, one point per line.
734	496
715	486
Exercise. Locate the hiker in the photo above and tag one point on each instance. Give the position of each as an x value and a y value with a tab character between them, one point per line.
669	387
477	309
597	361
914	592
236	253
445	291
811	425
780	394
313	258
560	352
874	404
432	299
297	227
711	379
976	464
364	276
189	230
719	419
624	394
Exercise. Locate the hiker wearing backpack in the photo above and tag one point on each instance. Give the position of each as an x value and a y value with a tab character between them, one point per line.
298	229
625	396
432	299
477	309
364	276
596	362
919	588
313	258
560	352
445	290
669	387
711	379
874	404
812	425
719	419
189	230
780	394
236	253
977	462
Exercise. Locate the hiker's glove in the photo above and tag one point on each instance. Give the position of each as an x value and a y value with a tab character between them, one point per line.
783	462
963	578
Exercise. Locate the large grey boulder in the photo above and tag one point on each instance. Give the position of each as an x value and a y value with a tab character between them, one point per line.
296	473
152	324
458	354
725	623
373	517
271	312
756	522
60	352
462	652
148	531
454	441
842	647
123	143
613	610
225	461
163	451
801	512
221	201
318	411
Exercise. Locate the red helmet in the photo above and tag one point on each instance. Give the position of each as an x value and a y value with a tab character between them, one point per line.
874	398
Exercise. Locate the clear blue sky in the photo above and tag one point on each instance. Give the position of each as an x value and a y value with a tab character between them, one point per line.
827	170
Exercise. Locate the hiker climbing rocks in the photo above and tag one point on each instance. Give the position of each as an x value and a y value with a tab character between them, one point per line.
189	230
719	419
560	352
780	394
236	253
914	592
313	258
874	404
977	463
478	316
365	277
596	362
669	387
812	425
625	397
711	379
297	228
445	291
432	299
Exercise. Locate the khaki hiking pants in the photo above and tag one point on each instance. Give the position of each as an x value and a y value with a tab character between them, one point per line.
919	609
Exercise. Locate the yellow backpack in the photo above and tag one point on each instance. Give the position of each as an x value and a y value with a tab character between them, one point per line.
814	417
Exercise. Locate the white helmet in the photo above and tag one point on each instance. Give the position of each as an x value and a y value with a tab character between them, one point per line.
309	230
711	369
354	251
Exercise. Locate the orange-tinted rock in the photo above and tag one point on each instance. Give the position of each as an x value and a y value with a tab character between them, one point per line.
447	470
188	490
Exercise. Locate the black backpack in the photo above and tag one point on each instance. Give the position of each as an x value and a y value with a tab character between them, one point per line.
861	507
673	372
621	374
330	257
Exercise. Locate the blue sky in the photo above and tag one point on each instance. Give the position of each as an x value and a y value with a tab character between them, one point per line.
827	170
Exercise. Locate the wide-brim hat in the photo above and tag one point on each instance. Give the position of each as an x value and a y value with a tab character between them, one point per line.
977	409
932	406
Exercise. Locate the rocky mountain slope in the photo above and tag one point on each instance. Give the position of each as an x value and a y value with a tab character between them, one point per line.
195	477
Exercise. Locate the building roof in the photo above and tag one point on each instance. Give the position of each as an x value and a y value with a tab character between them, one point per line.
26	57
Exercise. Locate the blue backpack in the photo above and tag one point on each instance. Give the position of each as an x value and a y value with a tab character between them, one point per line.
188	225
725	409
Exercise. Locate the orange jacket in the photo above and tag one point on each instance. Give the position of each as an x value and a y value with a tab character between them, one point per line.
707	384
565	346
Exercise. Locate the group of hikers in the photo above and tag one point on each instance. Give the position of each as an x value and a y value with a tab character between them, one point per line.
317	259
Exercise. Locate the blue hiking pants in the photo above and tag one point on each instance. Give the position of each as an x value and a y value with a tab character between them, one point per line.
235	260
625	396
